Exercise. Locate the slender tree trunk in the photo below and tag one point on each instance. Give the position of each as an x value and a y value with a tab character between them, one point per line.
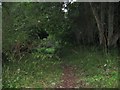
114	39
106	35
99	24
110	23
103	25
78	36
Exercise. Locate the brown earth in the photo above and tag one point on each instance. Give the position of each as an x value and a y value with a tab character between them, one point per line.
69	80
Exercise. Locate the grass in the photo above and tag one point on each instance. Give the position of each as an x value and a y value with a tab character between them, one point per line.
93	66
31	73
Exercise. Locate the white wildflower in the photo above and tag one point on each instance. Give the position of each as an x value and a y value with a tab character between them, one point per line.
38	21
105	65
53	83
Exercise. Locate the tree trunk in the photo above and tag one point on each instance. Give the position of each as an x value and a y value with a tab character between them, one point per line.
103	25
107	37
114	39
110	23
99	24
77	36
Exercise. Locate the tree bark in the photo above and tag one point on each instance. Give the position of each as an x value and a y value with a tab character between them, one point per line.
103	25
107	37
110	23
99	24
114	39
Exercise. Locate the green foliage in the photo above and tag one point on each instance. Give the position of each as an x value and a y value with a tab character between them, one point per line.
31	73
93	67
43	53
47	48
23	22
30	22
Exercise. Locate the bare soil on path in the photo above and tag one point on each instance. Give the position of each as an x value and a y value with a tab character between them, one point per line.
69	79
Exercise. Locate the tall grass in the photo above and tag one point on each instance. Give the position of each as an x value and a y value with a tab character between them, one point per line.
31	73
91	64
94	67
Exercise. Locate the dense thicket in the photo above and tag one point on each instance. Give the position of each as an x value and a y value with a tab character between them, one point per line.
43	28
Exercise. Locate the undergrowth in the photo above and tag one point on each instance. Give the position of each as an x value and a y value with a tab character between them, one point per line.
31	73
92	65
96	68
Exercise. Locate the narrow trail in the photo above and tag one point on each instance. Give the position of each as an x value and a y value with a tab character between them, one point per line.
68	78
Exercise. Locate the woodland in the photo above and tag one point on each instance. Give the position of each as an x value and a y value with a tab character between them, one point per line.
60	44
